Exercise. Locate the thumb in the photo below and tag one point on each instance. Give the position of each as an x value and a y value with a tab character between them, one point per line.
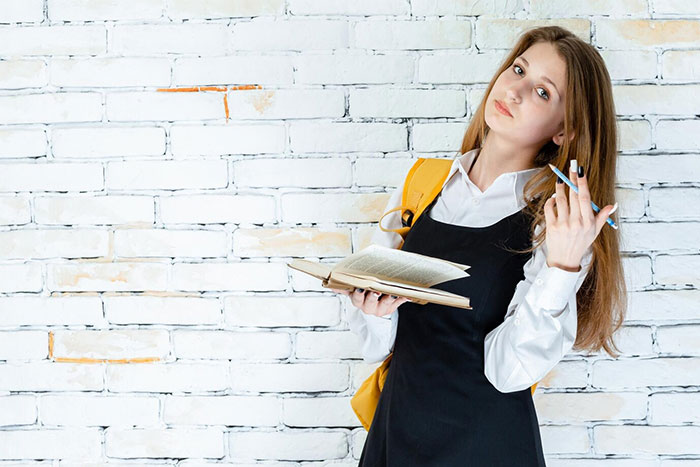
603	215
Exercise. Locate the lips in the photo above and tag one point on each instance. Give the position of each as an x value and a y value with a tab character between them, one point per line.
501	107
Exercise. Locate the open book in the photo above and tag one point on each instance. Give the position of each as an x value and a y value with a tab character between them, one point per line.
392	272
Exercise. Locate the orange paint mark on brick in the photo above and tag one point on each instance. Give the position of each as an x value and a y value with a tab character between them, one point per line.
50	345
224	89
96	360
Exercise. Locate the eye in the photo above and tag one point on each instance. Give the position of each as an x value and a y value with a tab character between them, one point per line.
543	89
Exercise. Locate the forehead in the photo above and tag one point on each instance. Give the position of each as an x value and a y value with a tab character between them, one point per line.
544	61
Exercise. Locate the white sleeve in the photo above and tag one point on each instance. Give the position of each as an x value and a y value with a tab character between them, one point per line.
378	333
539	326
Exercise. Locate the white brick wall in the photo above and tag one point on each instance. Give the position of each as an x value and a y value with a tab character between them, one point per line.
146	312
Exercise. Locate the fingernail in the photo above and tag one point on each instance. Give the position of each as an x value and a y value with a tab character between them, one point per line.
560	180
554	195
360	290
580	171
393	296
573	165
613	209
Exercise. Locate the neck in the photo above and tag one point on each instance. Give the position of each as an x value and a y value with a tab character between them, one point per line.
497	157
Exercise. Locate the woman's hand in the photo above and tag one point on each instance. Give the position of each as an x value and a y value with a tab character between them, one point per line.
371	302
575	226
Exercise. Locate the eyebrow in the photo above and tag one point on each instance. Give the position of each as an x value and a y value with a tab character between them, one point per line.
544	77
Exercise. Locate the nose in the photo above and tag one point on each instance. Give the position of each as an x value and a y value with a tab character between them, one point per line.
513	92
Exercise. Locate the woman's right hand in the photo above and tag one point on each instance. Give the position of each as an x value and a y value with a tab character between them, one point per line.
373	303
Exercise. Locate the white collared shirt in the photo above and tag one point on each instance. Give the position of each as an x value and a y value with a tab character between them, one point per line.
539	326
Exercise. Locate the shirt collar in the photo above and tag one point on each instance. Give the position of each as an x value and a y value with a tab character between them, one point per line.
514	182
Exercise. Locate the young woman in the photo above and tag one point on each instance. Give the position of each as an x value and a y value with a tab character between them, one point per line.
545	276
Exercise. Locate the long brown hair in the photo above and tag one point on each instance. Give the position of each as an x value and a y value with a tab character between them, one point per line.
590	115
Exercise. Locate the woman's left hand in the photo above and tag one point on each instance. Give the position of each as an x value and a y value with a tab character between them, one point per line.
575	225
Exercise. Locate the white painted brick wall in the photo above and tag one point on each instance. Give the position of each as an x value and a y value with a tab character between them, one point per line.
147	315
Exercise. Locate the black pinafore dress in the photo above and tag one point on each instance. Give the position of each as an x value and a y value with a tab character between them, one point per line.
437	409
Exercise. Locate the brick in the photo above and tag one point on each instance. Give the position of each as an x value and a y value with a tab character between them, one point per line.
101	10
22	142
50	376
497	33
297	242
106	72
646	440
122	276
18	410
26	277
645	33
242	276
248	411
96	410
24	345
306	446
154	243
292	377
53	40
51	176
56	107
217	209
192	9
295	34
319	411
681	270
150	39
609	374
22	74
282	311
169	442
214	140
397	103
228	345
333	207
144	309
69	444
54	243
120	345
167	377
101	210
164	106
108	142
413	35
571	408
312	172
166	175
671	204
22	11
14	210
50	310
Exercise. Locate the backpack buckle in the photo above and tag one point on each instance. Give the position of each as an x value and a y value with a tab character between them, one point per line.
407	221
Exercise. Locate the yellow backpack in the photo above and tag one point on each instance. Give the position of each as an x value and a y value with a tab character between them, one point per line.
423	183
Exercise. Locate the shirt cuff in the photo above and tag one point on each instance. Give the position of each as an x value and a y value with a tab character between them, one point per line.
555	286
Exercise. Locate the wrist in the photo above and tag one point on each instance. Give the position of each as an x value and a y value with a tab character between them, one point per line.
564	267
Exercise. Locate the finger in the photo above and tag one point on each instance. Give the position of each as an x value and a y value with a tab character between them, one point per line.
601	218
357	297
343	291
549	216
574	208
562	203
584	198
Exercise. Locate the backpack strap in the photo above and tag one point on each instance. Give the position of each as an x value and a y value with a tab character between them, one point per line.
423	183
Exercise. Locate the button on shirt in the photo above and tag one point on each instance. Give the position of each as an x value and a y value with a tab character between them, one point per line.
539	325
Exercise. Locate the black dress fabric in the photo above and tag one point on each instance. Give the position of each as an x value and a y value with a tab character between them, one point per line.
437	409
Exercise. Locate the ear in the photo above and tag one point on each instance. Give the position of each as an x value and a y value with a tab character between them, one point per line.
558	139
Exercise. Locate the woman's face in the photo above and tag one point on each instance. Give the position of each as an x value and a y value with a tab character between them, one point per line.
536	104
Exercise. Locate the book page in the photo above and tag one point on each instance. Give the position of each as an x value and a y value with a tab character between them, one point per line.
400	266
